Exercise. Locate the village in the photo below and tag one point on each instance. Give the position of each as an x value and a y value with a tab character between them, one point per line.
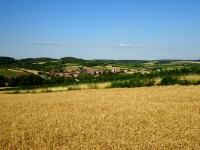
76	71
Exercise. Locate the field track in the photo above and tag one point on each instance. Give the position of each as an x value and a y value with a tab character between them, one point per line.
138	118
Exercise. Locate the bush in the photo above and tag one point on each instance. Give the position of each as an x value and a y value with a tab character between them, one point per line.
197	83
2	81
185	82
16	92
92	86
133	83
120	84
149	82
54	81
169	80
74	88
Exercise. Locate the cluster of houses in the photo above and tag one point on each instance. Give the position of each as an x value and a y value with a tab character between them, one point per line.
73	73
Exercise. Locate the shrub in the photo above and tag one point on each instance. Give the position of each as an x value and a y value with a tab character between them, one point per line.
185	82
149	82
54	81
169	80
74	88
197	83
92	86
16	92
133	83
2	81
46	90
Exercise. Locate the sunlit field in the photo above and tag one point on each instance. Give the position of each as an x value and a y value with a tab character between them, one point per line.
138	118
191	77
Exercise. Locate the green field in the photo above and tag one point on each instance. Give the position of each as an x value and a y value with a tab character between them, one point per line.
9	74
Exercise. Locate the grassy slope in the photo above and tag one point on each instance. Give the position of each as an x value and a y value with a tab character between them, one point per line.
140	118
10	73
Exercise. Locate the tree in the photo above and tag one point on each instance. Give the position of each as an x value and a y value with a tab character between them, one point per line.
26	80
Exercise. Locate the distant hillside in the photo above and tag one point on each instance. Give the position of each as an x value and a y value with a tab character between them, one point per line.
41	59
6	61
46	64
175	60
72	60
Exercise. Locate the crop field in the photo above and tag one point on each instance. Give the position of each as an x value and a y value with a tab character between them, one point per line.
138	118
191	77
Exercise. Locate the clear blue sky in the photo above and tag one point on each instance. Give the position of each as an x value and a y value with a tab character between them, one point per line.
97	29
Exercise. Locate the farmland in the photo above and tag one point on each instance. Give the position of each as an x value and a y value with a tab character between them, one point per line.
164	117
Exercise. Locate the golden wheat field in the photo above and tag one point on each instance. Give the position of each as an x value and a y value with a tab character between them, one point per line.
139	118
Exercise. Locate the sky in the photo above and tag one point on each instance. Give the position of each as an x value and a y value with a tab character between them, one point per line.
100	29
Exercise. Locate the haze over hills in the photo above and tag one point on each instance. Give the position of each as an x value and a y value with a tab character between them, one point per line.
74	59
